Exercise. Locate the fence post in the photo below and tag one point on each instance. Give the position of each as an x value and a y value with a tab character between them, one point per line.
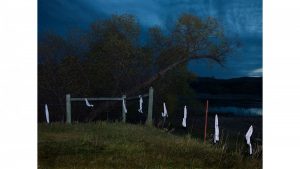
68	108
150	107
123	111
205	127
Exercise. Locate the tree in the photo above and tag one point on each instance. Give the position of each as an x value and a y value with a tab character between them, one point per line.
110	60
192	38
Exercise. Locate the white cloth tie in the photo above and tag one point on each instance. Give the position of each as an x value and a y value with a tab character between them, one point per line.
87	103
248	137
184	117
124	105
47	113
141	104
165	113
216	135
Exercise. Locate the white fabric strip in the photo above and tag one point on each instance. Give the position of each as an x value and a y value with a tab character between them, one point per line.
47	113
165	113
87	103
216	135
184	122
248	137
141	104
184	117
124	105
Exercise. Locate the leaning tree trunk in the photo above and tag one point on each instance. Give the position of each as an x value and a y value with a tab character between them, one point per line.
160	74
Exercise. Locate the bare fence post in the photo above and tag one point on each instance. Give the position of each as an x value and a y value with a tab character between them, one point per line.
205	127
150	107
123	110
68	108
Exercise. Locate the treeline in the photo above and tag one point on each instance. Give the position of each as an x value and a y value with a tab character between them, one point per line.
110	59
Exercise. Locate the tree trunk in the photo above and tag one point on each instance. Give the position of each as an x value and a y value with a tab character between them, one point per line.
161	73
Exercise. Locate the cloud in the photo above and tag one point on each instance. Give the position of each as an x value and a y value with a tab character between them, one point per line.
255	73
241	18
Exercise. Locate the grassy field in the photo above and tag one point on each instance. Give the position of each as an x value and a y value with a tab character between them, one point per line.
118	145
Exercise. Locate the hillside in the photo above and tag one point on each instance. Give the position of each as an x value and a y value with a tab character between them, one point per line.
118	145
237	92
243	85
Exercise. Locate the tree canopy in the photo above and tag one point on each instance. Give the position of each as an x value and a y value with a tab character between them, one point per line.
110	59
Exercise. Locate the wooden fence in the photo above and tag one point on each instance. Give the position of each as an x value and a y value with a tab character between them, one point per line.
69	100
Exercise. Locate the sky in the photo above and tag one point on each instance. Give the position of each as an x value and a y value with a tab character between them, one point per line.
239	18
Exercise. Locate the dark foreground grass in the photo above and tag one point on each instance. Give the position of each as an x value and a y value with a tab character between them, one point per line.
118	145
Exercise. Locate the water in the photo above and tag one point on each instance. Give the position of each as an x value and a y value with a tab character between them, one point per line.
239	111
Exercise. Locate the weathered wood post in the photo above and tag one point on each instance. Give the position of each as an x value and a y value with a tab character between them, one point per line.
68	108
205	127
123	110
150	107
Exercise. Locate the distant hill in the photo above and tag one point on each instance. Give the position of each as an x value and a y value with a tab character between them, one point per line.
243	92
236	86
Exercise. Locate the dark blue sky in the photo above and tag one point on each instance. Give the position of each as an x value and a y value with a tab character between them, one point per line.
239	18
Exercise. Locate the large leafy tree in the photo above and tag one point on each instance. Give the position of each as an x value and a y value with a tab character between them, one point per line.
110	59
192	38
116	60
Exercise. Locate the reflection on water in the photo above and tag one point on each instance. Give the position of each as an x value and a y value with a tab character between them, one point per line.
239	111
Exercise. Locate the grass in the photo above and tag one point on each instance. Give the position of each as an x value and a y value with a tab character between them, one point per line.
118	145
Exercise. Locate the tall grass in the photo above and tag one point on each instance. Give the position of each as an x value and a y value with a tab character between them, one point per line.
118	145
